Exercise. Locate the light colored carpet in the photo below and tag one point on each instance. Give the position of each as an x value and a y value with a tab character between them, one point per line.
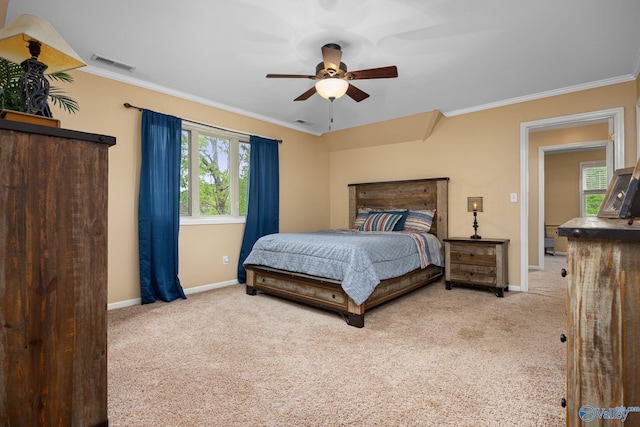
432	358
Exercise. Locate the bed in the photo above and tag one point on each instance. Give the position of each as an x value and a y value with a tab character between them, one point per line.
320	291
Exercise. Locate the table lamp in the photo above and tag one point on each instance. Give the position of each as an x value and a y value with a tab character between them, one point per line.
34	44
474	204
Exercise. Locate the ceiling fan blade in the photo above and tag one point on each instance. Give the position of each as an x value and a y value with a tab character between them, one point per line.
307	94
289	76
375	73
356	94
331	56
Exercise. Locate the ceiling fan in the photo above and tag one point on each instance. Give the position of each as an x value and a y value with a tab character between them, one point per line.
333	78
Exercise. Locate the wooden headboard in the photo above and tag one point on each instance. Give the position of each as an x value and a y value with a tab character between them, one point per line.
418	194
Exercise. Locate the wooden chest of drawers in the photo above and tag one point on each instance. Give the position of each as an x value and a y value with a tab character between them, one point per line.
53	276
603	321
477	262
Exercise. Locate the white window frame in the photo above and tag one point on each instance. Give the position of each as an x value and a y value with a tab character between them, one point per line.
234	193
583	192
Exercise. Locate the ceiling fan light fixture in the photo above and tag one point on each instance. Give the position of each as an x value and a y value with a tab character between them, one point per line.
332	87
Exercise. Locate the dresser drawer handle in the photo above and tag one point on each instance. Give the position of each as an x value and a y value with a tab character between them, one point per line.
470	253
563	272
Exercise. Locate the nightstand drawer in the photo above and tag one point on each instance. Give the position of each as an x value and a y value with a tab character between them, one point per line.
473	274
473	254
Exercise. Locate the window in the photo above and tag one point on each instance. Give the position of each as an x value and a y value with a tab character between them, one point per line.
214	175
593	186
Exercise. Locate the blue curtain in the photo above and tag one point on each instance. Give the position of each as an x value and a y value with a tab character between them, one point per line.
263	206
159	207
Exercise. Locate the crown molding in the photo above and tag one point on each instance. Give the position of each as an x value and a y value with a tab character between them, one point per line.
540	95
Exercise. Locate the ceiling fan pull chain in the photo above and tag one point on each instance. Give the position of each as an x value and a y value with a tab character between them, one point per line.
331	112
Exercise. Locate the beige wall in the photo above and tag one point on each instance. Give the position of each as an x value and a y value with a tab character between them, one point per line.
562	189
479	152
304	166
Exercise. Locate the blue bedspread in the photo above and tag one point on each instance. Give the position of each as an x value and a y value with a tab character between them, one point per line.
360	260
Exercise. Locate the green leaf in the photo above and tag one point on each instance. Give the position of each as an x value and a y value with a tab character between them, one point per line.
63	101
10	72
61	77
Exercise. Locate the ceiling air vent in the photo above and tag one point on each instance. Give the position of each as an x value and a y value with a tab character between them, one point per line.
112	63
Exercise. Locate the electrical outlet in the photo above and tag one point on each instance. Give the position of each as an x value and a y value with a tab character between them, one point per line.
225	260
514	197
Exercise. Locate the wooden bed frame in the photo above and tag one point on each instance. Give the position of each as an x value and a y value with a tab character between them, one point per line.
328	294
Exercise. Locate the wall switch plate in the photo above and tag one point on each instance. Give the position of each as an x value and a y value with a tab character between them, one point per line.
225	260
514	197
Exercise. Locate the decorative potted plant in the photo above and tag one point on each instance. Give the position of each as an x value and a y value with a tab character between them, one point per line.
10	72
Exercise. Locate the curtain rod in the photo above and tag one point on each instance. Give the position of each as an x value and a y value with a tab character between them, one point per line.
126	104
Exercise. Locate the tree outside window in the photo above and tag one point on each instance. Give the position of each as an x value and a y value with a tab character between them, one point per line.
593	186
219	190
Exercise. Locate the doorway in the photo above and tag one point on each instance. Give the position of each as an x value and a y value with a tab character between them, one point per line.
615	118
566	189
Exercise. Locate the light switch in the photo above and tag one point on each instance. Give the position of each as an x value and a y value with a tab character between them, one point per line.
514	197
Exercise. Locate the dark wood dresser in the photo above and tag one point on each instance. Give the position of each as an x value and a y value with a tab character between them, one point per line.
53	276
603	321
477	262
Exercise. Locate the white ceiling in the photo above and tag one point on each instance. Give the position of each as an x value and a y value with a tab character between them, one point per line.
456	56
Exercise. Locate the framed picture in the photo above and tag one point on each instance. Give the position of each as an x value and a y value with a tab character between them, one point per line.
631	203
616	194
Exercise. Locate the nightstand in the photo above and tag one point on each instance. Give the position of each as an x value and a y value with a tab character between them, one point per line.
477	262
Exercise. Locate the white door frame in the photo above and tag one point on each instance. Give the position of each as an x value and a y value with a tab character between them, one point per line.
615	114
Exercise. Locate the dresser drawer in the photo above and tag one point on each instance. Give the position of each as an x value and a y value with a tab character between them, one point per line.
473	274
473	254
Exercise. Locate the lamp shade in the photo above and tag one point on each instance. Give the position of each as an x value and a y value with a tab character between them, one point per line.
332	87
55	52
474	204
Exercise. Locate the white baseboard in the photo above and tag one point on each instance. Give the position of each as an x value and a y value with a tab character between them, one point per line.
203	288
123	304
188	291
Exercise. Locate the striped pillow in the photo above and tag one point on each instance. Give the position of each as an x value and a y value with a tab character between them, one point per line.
363	213
380	221
419	221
